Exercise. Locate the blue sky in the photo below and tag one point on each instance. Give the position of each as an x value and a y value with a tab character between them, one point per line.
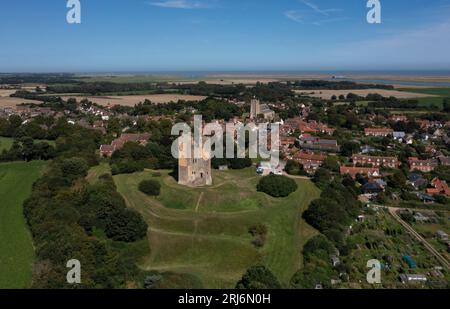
194	35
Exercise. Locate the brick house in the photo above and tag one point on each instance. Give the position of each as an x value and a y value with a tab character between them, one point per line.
117	144
353	171
424	166
378	132
391	162
439	187
310	161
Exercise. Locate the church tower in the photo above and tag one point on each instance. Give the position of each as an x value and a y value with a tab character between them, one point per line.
255	108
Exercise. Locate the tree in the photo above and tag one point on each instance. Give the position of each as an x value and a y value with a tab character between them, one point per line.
126	225
150	187
277	186
331	163
151	282
74	168
294	168
257	278
446	105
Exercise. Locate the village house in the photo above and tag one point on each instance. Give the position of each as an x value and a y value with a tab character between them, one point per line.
287	142
417	181
444	161
378	132
391	162
117	144
398	118
439	187
314	143
426	124
424	166
310	160
412	279
441	235
353	171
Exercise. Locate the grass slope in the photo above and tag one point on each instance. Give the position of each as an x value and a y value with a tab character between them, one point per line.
5	143
204	232
16	248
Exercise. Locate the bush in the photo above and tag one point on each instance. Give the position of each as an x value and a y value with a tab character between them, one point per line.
259	232
294	168
258	277
150	187
277	186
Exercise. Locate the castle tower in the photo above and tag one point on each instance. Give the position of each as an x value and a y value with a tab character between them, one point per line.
193	172
255	108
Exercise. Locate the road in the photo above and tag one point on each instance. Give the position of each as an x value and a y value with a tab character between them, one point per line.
428	246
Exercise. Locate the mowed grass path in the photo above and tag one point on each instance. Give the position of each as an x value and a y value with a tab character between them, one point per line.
16	248
204	231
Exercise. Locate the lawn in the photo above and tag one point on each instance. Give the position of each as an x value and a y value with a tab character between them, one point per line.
204	232
5	143
16	248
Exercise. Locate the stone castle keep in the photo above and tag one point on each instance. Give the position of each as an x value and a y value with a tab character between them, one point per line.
193	172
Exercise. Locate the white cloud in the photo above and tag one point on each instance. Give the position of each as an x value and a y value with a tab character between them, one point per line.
182	4
294	15
325	12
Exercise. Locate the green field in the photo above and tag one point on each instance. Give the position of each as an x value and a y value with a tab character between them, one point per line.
16	248
6	143
443	92
204	232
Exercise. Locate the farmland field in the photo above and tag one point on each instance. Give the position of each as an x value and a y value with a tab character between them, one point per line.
327	94
443	92
131	100
16	248
12	102
204	232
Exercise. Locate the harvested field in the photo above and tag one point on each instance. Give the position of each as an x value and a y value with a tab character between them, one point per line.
6	92
12	102
132	100
327	94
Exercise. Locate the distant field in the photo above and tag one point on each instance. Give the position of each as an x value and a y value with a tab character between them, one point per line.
6	92
16	248
131	78
204	232
443	92
12	102
328	94
132	100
